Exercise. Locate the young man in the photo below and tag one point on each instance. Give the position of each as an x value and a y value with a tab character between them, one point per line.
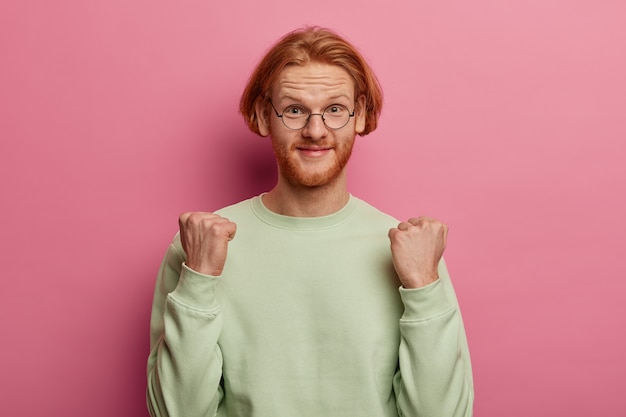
292	303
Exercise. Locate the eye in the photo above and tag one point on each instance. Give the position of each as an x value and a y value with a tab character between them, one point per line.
295	111
336	110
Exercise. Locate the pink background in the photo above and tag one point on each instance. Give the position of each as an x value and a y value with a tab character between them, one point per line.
506	119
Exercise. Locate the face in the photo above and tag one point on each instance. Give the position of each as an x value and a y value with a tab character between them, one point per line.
315	155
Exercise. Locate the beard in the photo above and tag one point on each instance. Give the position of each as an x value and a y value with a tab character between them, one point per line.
291	170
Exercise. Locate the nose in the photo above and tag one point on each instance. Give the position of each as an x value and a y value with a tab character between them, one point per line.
315	128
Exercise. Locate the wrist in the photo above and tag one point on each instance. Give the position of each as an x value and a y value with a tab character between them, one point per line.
203	268
418	281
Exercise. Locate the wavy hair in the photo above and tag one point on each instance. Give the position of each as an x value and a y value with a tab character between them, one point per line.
312	44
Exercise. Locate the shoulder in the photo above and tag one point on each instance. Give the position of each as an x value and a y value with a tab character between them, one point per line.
368	213
236	210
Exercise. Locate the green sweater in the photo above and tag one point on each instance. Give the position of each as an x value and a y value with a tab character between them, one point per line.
307	319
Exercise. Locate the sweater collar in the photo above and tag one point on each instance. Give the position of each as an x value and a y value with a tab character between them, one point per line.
302	223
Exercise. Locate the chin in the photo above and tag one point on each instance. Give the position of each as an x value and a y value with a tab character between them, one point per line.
313	180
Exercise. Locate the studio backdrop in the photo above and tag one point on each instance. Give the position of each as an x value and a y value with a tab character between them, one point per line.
504	119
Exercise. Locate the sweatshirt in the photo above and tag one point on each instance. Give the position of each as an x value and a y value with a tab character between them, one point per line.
307	319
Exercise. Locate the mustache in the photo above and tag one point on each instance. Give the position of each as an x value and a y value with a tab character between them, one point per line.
316	145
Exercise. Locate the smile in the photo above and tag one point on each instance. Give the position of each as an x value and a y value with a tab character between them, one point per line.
313	152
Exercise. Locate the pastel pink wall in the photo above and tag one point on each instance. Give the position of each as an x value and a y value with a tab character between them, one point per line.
506	119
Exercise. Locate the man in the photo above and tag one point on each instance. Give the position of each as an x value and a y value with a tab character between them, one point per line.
292	304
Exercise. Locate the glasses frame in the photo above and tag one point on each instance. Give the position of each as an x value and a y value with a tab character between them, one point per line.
280	116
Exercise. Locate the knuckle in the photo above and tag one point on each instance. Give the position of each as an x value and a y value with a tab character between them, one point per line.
194	217
219	227
202	218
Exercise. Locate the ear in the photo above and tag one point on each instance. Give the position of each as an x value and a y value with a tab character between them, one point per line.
360	114
262	116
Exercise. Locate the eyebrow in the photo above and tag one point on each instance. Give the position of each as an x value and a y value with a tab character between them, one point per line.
330	99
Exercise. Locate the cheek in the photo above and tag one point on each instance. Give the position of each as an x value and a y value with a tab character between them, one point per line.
283	138
281	147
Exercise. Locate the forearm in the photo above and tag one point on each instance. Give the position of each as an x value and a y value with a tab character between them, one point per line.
434	377
185	364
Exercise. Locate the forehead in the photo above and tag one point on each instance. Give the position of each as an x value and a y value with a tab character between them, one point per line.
313	81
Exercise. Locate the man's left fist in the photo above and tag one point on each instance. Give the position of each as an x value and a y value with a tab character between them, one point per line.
416	248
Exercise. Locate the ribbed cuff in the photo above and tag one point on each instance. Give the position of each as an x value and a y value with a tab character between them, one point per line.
196	290
425	302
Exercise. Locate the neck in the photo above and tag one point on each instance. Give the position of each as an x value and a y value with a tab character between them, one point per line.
302	201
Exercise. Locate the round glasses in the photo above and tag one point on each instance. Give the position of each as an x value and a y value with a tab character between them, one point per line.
296	117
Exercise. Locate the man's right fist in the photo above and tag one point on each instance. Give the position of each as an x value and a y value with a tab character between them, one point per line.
205	238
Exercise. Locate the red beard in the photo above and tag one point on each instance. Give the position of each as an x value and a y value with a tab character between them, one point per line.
291	170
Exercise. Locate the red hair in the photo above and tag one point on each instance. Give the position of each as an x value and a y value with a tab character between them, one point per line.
312	44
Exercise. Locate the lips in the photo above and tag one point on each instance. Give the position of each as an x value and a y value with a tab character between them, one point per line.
313	151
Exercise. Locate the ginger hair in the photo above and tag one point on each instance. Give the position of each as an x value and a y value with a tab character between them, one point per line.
312	44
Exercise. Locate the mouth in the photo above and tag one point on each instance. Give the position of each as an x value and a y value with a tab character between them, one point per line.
313	151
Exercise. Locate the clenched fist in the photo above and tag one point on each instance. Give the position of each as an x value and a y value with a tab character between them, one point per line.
416	248
205	238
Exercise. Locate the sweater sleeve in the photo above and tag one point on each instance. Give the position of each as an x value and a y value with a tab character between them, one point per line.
434	377
185	363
